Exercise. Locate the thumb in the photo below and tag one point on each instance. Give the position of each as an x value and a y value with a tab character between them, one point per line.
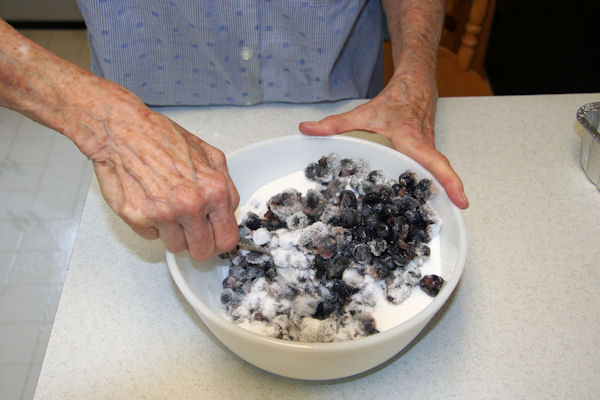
332	125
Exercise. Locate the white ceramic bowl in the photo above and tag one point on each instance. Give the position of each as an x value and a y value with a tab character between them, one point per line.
201	282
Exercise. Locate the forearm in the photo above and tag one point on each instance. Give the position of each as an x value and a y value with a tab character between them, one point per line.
58	94
415	28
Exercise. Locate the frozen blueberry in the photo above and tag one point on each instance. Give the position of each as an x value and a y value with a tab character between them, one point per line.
398	190
349	217
273	222
386	212
360	234
431	284
270	271
412	276
404	204
370	222
362	254
422	191
336	267
252	221
348	199
319	264
372	198
414	217
378	247
426	250
314	171
297	221
400	257
383	231
343	237
377	177
368	325
314	204
227	296
325	246
324	310
340	289
379	271
420	235
407	179
350	167
386	193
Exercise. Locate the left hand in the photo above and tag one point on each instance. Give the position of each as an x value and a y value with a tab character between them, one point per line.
404	113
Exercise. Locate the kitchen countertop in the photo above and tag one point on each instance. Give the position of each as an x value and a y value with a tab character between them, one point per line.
523	322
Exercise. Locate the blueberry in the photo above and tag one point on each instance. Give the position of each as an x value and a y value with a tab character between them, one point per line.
404	204
426	250
270	272
386	212
360	235
383	231
371	223
315	171
323	162
324	310
336	267
252	221
368	325
372	198
348	199
366	210
376	176
325	246
339	288
273	222
398	190
349	217
378	246
414	217
431	284
342	236
362	254
379	271
348	167
400	257
422	191
386	193
319	264
407	179
420	235
311	171
227	296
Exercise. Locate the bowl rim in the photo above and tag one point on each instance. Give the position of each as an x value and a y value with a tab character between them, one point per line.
419	319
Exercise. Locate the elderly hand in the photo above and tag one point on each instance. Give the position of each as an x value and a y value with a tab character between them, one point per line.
404	113
166	183
161	179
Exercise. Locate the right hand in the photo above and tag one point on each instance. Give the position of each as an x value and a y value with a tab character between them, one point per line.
166	183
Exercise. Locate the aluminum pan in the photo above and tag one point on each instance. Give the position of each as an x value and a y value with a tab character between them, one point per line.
589	117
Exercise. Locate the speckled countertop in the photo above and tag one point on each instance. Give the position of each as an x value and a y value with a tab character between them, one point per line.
523	322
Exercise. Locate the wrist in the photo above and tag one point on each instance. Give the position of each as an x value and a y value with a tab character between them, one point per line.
60	95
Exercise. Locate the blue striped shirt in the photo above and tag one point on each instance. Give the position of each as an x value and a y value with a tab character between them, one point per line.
205	52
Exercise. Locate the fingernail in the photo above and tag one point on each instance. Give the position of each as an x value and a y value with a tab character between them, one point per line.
464	199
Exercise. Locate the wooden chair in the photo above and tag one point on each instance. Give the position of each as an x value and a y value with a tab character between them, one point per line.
462	49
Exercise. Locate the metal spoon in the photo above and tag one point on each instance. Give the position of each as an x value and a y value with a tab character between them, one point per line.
248	244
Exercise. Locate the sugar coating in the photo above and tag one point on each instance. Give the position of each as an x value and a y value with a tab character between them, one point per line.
315	287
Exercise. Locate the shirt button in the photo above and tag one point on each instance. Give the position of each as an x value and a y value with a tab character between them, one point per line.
246	53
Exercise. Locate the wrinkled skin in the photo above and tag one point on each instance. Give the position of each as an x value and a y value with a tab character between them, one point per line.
404	111
159	178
